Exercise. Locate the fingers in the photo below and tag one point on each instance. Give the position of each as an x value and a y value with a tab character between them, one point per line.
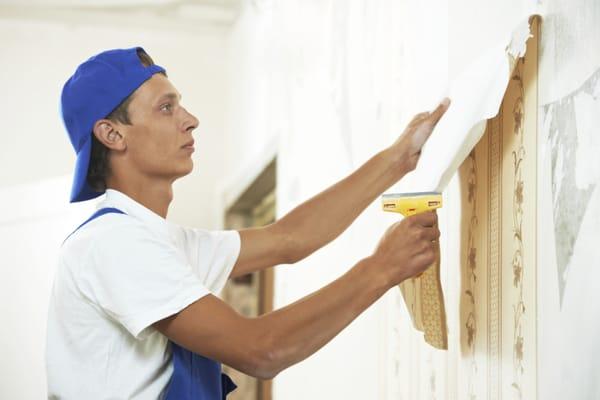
418	118
410	245
426	259
437	114
426	219
433	116
425	122
431	233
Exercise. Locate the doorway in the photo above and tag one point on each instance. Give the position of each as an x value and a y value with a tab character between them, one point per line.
252	294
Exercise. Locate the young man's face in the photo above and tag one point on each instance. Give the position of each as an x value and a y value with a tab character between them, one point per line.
160	128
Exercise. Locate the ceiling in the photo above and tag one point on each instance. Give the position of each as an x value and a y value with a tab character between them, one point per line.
179	14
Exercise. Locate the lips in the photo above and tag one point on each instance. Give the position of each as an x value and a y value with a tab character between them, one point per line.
188	144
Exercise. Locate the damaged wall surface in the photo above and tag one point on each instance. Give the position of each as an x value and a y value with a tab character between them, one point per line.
569	201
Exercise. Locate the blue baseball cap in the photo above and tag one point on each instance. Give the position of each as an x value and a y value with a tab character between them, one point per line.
96	88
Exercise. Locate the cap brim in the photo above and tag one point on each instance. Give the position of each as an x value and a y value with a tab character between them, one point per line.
80	190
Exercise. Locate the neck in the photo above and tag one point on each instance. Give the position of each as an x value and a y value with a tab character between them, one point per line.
155	195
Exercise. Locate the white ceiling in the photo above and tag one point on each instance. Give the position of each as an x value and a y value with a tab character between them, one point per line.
119	3
181	14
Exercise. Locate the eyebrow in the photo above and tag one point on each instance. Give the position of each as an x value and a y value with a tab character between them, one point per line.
170	96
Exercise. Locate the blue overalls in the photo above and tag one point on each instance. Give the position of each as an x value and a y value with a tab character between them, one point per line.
194	377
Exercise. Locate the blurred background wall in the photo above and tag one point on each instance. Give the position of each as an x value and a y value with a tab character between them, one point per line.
321	86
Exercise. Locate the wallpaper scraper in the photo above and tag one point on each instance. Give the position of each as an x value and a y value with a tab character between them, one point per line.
422	293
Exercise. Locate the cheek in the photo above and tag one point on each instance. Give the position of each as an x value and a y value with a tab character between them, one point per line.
144	147
154	148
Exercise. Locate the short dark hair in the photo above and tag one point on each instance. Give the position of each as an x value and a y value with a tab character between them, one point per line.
99	167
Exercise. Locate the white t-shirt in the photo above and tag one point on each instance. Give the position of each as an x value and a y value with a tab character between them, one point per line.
116	276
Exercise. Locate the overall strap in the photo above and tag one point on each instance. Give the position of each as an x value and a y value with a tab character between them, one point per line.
95	215
196	377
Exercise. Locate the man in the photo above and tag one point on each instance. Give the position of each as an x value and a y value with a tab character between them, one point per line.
133	312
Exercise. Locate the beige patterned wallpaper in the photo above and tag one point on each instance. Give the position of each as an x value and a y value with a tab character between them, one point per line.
491	217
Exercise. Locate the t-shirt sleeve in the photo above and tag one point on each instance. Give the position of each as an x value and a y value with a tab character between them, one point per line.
138	278
212	254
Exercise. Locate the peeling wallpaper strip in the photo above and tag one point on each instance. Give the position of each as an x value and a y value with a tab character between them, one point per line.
476	96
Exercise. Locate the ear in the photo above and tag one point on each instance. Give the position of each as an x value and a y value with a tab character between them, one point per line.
107	133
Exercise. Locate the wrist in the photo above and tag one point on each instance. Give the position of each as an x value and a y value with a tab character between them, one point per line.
372	267
395	161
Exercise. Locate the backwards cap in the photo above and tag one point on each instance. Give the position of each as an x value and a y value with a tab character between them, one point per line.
96	88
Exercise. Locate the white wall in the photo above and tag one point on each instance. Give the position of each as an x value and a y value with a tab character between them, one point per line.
31	234
569	202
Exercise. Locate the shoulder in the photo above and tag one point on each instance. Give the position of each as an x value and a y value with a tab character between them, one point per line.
127	251
114	232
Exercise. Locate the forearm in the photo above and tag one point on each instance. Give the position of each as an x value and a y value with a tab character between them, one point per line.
322	218
263	346
291	334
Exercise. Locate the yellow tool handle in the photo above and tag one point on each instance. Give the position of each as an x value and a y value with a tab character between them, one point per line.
411	203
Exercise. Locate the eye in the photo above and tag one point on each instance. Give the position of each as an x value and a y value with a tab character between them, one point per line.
166	107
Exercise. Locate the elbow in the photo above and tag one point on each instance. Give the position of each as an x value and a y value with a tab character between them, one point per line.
266	360
265	365
266	371
292	257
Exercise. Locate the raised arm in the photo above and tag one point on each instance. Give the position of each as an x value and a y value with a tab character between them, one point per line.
324	217
264	346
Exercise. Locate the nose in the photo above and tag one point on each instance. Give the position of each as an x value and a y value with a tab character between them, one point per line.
190	122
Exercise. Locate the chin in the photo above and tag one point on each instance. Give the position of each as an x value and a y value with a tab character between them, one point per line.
189	169
182	169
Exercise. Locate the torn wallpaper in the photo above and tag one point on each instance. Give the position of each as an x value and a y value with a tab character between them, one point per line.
476	96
